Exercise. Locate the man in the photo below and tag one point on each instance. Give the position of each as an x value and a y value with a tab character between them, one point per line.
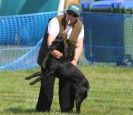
69	25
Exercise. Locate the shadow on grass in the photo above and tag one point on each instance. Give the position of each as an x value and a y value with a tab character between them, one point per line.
131	109
20	110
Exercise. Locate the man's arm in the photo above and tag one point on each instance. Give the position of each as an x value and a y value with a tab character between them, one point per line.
78	51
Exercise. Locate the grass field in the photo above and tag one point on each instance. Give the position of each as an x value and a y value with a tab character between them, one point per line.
111	92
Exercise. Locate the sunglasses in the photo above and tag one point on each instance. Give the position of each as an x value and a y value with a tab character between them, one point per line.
72	13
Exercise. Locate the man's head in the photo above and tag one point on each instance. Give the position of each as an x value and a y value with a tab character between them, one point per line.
73	12
75	9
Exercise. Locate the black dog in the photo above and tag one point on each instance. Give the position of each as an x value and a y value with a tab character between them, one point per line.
63	69
59	45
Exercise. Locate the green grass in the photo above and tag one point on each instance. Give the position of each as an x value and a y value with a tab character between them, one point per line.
111	92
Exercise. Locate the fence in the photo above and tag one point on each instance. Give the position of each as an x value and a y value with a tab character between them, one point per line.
108	39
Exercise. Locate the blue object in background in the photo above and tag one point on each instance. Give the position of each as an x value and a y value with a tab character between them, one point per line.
105	6
23	29
86	6
104	37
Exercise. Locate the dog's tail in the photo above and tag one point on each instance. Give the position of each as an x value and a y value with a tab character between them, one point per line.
42	75
33	75
36	80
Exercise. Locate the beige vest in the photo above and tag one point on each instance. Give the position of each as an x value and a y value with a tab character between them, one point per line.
76	28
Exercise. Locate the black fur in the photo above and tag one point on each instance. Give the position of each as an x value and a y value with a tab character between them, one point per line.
63	69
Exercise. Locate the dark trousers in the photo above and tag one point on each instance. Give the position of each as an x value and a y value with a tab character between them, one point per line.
46	94
66	95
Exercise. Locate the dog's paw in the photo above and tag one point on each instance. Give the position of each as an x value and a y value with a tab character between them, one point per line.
77	111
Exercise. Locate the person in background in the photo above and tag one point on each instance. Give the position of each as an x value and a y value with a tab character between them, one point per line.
69	24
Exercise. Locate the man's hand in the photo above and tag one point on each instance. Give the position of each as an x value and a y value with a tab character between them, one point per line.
74	62
56	54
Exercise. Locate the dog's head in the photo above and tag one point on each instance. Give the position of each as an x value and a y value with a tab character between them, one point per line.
57	44
61	45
